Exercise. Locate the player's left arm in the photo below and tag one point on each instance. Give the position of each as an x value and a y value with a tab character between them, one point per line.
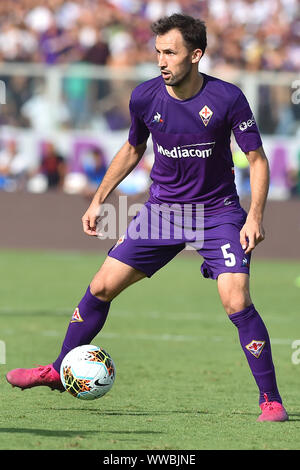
253	231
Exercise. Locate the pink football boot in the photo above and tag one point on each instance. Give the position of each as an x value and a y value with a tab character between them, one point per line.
38	376
272	411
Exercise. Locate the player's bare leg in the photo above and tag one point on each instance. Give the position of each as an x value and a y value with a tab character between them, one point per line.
112	278
87	320
235	296
234	291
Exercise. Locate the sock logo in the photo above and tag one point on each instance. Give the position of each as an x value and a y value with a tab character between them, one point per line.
76	317
256	347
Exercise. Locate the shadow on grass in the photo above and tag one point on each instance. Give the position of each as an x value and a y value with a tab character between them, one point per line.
292	416
70	434
123	412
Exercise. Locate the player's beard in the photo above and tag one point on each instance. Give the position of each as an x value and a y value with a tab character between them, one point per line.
177	80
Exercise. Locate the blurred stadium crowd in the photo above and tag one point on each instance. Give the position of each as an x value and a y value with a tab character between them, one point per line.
248	34
243	35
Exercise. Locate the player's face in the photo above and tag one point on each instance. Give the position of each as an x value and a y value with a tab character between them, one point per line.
174	59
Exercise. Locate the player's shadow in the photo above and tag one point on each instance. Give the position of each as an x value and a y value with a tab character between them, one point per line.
45	432
69	433
134	412
294	416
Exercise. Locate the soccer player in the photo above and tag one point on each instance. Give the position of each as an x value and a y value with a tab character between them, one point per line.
190	116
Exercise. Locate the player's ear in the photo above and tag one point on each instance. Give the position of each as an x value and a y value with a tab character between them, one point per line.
196	55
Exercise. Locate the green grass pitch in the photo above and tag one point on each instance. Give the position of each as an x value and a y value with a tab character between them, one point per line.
182	380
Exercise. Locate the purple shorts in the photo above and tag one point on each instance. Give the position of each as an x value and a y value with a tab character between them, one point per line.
155	237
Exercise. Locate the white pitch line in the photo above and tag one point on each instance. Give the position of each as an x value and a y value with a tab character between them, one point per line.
167	337
183	338
186	316
148	337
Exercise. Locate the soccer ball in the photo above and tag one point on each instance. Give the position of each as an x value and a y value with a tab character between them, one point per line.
87	372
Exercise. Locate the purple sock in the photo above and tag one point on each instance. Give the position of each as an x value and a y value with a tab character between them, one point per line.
256	345
86	322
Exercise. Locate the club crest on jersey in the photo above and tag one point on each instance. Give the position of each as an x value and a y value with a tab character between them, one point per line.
256	347
76	317
205	114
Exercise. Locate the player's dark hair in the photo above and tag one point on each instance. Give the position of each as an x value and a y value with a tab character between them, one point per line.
193	30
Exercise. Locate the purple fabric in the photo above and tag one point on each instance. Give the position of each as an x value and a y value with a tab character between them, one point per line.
256	345
151	242
191	139
86	322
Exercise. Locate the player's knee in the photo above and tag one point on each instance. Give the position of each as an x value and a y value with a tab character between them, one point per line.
235	300
236	304
234	292
102	290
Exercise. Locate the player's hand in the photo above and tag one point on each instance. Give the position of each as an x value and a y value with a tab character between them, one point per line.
90	219
251	234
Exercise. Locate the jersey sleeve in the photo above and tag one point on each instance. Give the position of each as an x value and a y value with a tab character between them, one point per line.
138	132
243	125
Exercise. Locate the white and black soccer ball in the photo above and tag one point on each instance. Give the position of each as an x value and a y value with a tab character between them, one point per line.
87	372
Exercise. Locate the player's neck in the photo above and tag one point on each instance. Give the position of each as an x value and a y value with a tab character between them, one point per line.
186	89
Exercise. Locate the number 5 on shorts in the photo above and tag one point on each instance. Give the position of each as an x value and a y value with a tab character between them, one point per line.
229	257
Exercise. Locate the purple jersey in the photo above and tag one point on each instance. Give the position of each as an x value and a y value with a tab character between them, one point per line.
191	140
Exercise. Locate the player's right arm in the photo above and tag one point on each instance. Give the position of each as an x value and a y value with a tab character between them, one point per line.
122	164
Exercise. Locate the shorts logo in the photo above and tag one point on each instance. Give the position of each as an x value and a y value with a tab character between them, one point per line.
245	263
76	317
121	239
205	114
256	347
227	201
